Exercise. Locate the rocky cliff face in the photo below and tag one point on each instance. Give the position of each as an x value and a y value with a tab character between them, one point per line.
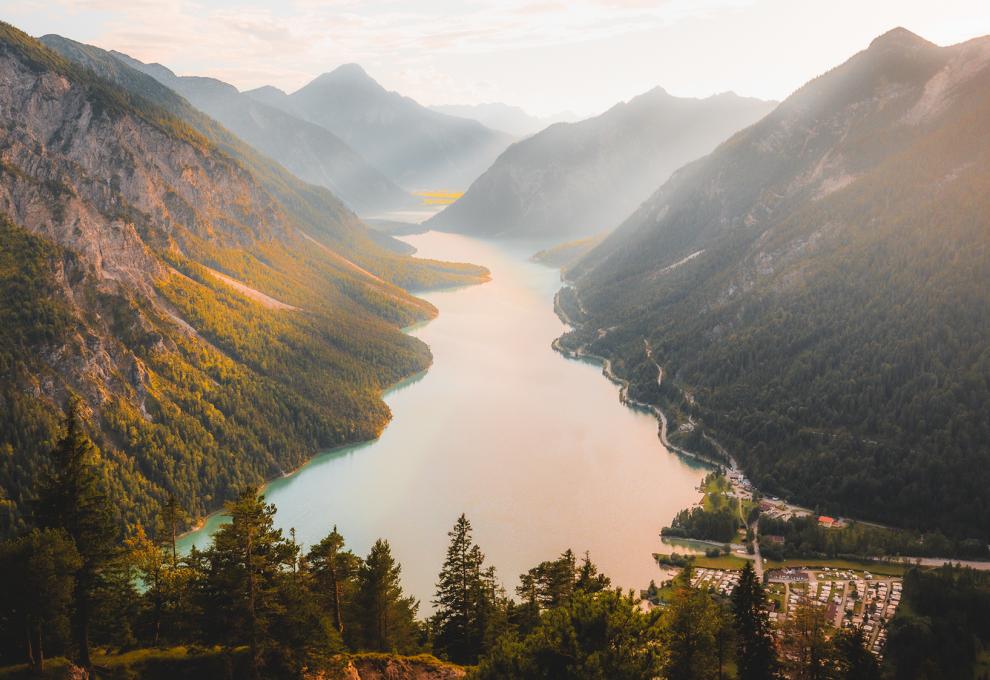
584	178
104	199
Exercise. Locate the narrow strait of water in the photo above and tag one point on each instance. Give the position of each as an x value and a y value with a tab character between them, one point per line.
534	447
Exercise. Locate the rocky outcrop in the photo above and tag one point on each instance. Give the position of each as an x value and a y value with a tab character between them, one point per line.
386	667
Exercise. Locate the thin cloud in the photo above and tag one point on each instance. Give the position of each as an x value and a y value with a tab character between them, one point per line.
321	31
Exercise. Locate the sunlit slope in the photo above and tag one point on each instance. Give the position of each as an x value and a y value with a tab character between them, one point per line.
314	210
579	179
213	342
832	322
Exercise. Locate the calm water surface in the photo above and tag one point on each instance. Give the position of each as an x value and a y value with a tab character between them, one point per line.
535	448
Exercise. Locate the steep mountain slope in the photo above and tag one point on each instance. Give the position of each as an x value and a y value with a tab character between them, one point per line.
583	178
499	116
313	210
212	343
308	151
821	284
419	149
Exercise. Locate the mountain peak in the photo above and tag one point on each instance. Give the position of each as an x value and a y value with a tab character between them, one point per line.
267	90
898	38
348	73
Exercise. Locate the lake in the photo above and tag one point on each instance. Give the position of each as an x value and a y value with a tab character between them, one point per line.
532	446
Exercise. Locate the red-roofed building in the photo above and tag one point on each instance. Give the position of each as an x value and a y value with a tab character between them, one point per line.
824	521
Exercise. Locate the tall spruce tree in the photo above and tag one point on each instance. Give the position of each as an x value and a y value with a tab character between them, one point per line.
332	570
69	499
238	582
463	601
756	657
387	618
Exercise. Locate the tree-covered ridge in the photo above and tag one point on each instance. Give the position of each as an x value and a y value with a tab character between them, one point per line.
112	230
819	287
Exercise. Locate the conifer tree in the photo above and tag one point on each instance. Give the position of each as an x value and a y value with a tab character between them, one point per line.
171	518
462	600
688	633
37	576
387	617
69	499
238	584
332	569
756	657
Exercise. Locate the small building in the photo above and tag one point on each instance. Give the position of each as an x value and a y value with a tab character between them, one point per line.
765	506
826	522
776	538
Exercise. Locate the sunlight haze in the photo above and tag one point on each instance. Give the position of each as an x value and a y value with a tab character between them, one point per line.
543	56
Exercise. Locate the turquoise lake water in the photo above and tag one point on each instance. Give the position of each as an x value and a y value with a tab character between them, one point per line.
534	447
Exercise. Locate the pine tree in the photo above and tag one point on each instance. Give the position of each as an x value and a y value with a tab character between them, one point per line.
332	569
856	662
462	599
238	582
591	637
153	569
688	633
387	617
171	518
588	580
69	499
756	657
37	577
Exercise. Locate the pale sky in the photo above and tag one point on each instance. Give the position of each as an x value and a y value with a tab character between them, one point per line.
543	55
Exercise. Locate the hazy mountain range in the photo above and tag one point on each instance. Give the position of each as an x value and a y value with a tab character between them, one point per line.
419	149
583	178
511	119
822	283
308	151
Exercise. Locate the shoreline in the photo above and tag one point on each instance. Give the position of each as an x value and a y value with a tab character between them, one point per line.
623	391
322	452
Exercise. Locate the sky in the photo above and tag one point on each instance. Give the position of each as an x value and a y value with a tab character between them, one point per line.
545	56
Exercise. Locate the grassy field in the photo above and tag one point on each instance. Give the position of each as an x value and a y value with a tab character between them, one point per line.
147	664
723	562
818	563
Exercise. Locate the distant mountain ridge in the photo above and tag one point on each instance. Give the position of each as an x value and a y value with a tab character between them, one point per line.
820	284
310	152
511	119
419	149
577	179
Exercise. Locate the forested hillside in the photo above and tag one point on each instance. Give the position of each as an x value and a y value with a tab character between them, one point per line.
217	334
820	285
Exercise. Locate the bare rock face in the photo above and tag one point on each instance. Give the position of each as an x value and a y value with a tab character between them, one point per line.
89	180
111	188
383	667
